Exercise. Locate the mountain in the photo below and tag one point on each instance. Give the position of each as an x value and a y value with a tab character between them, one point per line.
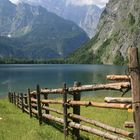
7	13
85	16
118	29
37	32
8	49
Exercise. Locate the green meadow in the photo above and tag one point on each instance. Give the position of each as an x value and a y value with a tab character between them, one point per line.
15	125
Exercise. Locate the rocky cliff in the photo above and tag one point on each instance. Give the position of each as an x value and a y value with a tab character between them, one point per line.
85	16
118	29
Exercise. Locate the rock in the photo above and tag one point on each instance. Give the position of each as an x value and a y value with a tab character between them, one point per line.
118	29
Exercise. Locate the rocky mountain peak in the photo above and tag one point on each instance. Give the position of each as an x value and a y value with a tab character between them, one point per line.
118	29
85	16
37	33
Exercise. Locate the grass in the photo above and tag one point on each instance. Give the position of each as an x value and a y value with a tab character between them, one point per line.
18	126
15	125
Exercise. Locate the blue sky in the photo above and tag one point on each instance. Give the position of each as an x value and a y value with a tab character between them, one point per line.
100	3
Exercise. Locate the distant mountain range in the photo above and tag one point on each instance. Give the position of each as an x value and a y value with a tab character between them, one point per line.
85	16
33	32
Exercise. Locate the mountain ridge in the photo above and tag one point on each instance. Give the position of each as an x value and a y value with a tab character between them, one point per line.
118	29
85	16
39	33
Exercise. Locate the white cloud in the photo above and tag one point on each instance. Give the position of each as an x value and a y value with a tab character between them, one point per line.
100	3
17	1
14	1
80	2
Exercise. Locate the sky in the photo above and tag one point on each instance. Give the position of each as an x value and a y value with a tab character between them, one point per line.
100	3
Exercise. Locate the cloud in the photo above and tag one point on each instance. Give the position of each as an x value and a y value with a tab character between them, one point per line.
26	1
80	2
100	3
14	1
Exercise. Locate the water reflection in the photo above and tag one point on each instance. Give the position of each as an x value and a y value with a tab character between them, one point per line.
20	77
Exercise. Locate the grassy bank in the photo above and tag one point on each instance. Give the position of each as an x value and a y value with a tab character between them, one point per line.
15	125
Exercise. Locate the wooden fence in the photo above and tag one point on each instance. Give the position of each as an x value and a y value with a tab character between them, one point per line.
36	103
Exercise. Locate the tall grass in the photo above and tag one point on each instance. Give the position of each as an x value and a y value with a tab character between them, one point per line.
16	125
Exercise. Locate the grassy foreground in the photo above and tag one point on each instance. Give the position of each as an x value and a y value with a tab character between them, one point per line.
14	125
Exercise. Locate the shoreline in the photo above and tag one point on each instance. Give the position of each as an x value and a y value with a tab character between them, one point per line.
3	97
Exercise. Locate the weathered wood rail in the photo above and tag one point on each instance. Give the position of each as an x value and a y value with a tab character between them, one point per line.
36	103
111	86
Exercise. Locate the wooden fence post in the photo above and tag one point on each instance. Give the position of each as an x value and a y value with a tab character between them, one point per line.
76	109
14	98
22	102
9	96
29	103
35	97
47	105
18	100
25	99
65	111
135	85
39	105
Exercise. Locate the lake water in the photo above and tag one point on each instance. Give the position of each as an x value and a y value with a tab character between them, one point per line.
20	77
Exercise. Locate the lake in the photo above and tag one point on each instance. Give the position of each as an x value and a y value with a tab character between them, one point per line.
19	78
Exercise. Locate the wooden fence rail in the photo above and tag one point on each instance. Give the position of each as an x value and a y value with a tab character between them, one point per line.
111	86
29	108
36	103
